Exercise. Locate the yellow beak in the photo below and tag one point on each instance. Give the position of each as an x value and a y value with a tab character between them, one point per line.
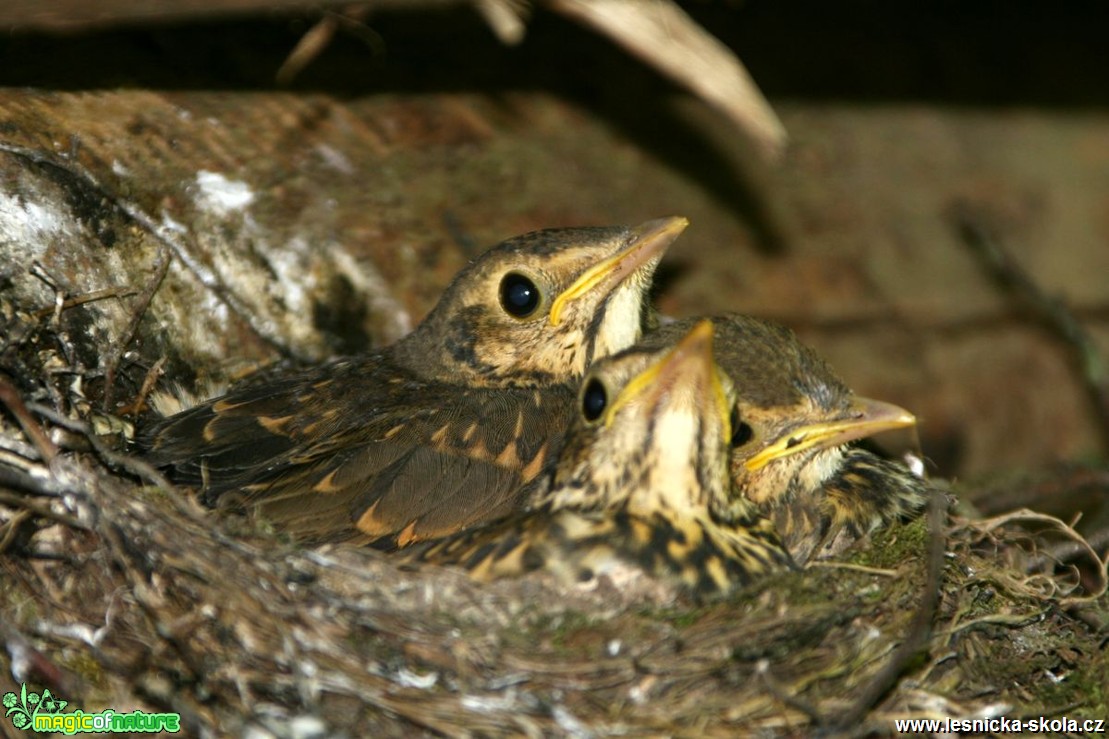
691	360
648	240
866	418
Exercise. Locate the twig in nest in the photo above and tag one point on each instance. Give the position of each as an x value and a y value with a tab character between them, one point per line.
1051	522
12	527
33	479
920	630
55	310
853	567
135	466
1052	312
1071	550
115	353
108	292
42	511
9	396
779	691
1016	620
660	33
152	375
138	467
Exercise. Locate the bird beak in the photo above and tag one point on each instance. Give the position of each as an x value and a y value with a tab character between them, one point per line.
646	242
690	363
865	418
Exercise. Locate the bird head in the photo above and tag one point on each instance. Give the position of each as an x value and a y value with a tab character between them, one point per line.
541	307
651	432
794	415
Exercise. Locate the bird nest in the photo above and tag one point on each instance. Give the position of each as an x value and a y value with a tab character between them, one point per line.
118	591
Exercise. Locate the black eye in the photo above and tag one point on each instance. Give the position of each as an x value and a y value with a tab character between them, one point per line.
519	295
593	400
741	432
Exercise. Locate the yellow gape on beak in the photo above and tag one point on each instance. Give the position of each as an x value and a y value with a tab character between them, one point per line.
691	359
865	418
648	240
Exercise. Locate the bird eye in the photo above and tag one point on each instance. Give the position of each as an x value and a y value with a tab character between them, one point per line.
519	295
741	431
593	400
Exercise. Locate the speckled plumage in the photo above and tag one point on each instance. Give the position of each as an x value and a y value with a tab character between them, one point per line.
794	461
642	488
440	430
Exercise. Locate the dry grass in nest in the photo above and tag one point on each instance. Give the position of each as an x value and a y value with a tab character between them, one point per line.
120	592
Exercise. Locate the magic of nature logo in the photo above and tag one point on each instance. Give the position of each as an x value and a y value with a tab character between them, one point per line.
31	711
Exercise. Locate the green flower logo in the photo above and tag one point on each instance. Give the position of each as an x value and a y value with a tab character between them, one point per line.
23	708
51	703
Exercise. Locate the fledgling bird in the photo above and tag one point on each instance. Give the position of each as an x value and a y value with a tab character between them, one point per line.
441	429
641	486
790	449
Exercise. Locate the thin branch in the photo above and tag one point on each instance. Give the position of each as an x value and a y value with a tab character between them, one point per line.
10	397
12	527
1025	517
108	292
42	511
115	353
1052	312
135	466
854	567
135	406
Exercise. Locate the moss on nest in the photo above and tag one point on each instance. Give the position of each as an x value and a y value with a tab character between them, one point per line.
130	596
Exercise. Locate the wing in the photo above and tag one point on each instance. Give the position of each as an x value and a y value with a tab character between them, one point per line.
363	450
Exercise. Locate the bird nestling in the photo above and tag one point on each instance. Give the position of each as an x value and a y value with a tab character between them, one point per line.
441	429
641	486
790	449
